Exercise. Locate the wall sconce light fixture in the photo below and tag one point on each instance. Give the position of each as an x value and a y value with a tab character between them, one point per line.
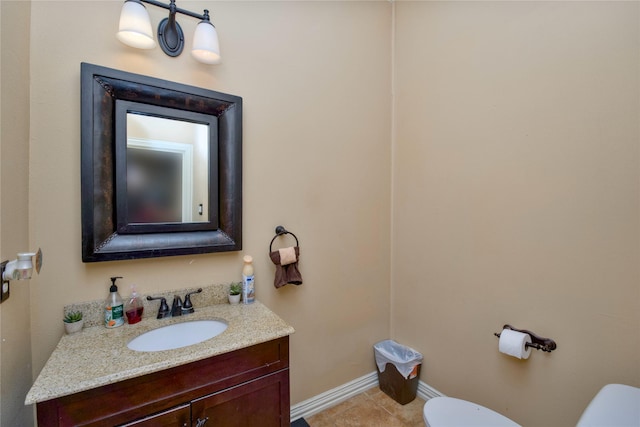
18	269
135	31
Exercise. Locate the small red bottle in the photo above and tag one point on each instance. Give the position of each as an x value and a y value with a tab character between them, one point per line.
134	308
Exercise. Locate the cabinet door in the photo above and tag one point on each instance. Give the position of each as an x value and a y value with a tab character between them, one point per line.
175	417
263	402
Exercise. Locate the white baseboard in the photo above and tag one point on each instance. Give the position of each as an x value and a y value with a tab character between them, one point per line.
334	396
426	392
346	391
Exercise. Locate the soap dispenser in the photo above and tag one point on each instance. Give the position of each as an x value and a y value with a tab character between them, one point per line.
134	308
248	280
114	307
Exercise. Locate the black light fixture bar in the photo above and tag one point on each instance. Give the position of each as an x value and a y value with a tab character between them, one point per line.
170	35
205	16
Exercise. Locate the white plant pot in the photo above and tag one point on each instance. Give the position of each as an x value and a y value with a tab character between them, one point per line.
234	299
72	328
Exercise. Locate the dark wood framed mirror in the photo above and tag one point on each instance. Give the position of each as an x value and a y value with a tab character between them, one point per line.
161	167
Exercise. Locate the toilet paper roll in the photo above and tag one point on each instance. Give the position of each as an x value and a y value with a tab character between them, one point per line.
514	343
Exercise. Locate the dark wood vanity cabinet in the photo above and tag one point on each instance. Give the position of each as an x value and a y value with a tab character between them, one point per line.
246	387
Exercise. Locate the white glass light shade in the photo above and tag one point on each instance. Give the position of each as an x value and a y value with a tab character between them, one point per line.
206	47
135	26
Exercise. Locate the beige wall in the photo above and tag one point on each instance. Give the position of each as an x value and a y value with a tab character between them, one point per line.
515	185
315	82
516	198
15	344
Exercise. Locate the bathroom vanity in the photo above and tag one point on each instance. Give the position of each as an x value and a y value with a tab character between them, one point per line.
238	378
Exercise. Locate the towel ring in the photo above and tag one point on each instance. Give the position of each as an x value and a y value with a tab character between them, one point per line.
280	230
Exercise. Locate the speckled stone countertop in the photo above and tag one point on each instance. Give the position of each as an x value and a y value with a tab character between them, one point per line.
97	356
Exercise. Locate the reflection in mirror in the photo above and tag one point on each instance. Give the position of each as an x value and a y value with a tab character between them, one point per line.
156	192
167	170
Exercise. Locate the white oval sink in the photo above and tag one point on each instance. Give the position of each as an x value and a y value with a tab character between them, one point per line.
177	335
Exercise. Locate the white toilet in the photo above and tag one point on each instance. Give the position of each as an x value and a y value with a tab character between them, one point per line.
452	412
615	405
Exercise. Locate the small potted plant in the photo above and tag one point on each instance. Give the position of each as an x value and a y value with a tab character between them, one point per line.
73	322
235	291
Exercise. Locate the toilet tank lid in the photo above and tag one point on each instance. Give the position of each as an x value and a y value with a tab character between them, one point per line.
615	405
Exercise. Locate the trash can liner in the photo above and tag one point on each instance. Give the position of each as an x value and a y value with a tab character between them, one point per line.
402	357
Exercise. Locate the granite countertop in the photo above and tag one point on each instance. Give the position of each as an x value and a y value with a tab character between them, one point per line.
98	356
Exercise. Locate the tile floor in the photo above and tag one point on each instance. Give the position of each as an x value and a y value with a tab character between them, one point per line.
372	408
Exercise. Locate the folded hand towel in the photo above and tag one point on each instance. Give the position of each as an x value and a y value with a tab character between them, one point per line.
286	273
287	255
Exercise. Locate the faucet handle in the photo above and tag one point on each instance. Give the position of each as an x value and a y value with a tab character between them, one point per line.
176	307
187	307
163	311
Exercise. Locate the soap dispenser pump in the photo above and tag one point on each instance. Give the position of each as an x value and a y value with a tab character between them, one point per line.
114	307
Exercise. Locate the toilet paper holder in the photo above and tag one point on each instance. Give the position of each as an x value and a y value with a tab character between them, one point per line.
537	342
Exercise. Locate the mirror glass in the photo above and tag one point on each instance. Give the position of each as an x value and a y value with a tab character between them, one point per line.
167	170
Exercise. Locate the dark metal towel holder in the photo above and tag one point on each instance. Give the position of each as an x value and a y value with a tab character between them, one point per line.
280	231
537	342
